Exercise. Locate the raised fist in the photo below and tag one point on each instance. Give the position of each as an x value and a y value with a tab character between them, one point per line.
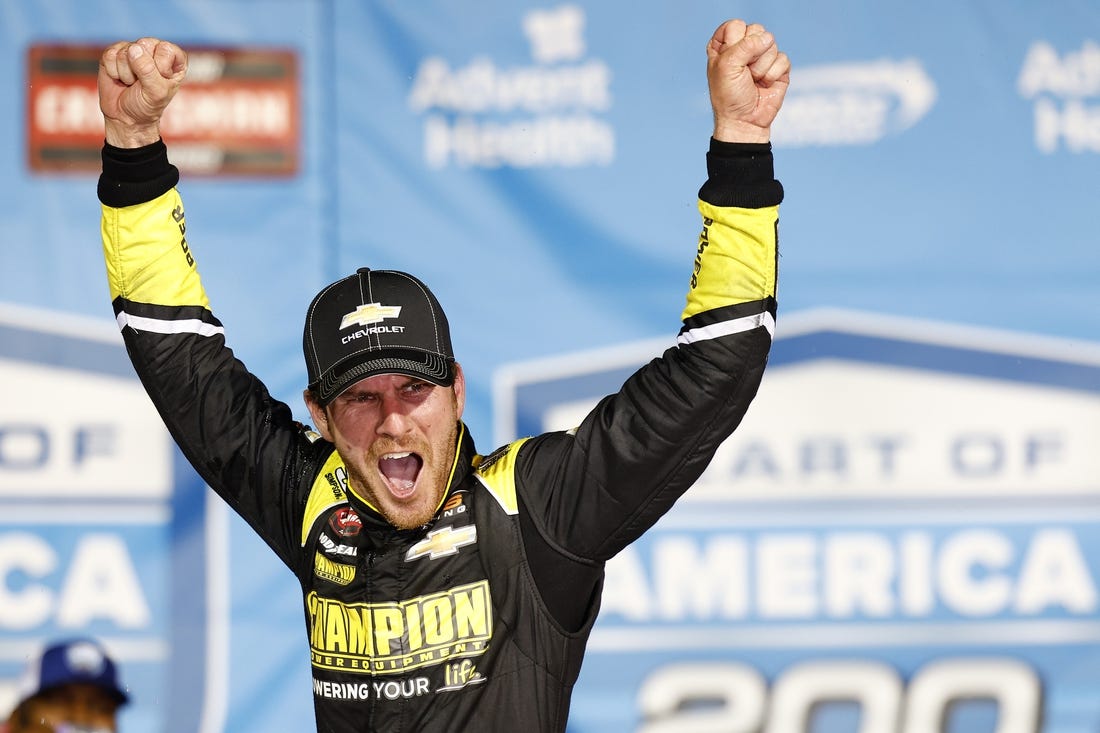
748	77
137	80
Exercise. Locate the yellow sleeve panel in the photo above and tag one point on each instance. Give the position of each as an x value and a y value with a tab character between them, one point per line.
498	475
148	258
736	260
327	491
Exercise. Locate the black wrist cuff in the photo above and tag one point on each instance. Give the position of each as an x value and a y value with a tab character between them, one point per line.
135	175
741	174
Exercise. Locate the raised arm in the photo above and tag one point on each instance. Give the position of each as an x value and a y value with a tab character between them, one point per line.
244	443
593	491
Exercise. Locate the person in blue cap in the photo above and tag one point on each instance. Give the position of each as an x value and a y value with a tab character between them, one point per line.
72	687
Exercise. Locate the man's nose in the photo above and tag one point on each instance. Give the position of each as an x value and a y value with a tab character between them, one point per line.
395	418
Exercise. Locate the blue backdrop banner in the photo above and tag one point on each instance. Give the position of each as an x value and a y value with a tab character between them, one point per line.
900	537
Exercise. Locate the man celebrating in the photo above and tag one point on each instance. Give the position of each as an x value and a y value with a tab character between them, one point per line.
443	589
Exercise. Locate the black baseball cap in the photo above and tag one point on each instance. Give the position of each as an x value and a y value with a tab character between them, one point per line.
72	661
375	322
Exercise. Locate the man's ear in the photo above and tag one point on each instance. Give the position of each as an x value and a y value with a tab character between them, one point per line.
320	417
460	390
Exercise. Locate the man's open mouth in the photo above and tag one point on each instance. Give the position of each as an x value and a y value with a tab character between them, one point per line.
400	471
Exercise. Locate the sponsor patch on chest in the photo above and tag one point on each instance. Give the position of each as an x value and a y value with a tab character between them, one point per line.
334	572
443	542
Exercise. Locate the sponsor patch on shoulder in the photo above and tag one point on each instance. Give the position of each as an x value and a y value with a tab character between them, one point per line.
345	522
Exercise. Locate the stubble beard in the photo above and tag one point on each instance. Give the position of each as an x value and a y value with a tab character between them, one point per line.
432	481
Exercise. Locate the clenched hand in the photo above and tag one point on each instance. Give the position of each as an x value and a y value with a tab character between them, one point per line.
136	81
748	78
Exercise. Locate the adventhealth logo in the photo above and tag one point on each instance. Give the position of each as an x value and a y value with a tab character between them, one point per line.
1060	86
546	114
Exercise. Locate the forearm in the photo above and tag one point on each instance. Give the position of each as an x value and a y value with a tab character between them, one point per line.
733	283
640	449
144	230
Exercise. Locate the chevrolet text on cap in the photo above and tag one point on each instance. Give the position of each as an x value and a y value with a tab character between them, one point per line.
375	322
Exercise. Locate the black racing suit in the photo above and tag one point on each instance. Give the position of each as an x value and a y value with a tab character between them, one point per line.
478	620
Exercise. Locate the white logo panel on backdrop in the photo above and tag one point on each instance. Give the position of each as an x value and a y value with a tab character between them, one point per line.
95	514
908	507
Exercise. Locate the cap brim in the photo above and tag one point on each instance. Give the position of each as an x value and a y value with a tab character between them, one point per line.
116	693
434	368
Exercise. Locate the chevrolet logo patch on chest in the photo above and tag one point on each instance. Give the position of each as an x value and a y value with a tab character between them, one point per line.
443	542
369	313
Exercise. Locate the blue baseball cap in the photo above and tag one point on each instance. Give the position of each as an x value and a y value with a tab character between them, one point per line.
72	661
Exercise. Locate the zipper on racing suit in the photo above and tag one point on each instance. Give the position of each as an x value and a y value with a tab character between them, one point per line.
367	597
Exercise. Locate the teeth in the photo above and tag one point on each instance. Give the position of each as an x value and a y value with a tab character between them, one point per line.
400	470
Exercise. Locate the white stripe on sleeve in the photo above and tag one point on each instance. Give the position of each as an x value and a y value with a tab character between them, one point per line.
156	325
725	328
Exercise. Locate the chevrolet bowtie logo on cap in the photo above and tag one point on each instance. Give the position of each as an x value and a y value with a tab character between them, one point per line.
369	313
